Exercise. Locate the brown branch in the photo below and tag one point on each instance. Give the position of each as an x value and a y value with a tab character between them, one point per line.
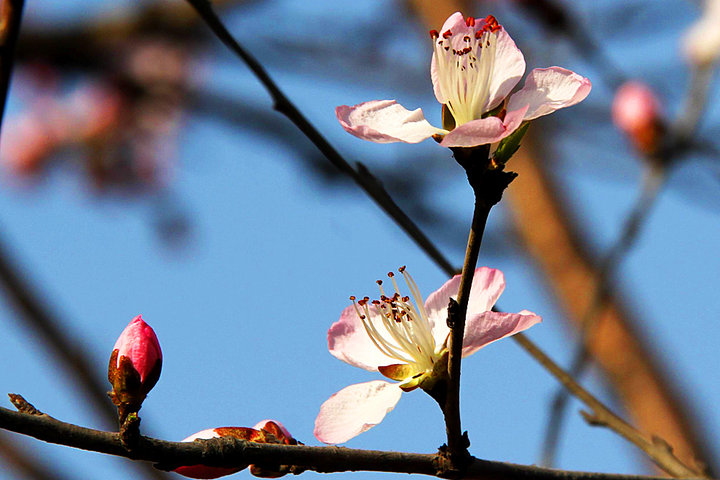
658	450
229	452
10	17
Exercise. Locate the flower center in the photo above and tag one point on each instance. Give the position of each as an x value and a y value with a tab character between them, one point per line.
464	65
397	326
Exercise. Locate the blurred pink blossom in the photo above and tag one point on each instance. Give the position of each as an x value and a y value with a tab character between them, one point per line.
636	111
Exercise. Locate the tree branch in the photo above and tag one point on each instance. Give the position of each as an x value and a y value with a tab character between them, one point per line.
10	17
228	452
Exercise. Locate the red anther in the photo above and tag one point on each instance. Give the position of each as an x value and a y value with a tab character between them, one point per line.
466	38
479	33
391	274
447	34
470	22
376	302
401	269
365	299
466	50
352	298
379	282
362	317
405	299
495	28
491	20
434	34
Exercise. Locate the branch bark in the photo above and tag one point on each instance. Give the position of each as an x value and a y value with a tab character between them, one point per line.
228	452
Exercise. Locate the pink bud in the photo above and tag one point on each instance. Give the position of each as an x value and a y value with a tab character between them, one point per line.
204	471
636	111
135	363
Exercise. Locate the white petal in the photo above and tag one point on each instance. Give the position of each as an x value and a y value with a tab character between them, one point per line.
349	341
354	410
550	89
508	69
385	121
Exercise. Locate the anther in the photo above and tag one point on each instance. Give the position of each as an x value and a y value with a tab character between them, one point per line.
434	34
391	274
379	282
470	22
401	269
447	34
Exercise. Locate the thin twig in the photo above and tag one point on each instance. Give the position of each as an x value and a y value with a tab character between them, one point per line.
451	410
282	104
652	185
658	450
229	452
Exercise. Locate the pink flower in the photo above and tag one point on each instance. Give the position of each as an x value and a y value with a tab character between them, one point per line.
405	339
135	363
266	431
475	66
636	111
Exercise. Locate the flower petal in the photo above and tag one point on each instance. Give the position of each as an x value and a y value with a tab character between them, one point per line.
550	89
508	69
349	342
484	130
398	371
488	285
456	24
385	121
485	328
354	410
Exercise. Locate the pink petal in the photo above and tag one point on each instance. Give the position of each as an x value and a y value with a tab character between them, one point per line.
203	471
349	342
484	130
508	69
354	410
485	328
385	121
488	285
550	89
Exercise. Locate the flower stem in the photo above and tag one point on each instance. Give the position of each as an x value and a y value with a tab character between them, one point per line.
488	181
457	444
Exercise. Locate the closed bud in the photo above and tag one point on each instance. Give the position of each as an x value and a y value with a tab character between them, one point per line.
135	366
267	431
636	111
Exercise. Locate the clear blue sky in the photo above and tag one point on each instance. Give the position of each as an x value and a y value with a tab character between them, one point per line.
242	311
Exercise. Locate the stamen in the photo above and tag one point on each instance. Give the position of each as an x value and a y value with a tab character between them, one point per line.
434	34
447	34
470	22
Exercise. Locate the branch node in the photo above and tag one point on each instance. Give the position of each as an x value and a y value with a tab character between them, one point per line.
22	405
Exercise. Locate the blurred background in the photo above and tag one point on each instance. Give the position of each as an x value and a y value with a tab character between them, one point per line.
145	172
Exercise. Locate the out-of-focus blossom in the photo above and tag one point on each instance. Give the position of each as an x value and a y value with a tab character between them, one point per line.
135	365
266	431
636	111
702	42
406	340
475	65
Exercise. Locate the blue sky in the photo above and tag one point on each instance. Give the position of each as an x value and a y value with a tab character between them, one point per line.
242	310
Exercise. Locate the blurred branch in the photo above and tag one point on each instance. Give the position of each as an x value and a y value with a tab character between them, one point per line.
651	186
677	140
544	225
10	16
28	466
229	452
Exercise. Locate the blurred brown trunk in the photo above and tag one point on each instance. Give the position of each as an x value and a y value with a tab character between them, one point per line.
550	237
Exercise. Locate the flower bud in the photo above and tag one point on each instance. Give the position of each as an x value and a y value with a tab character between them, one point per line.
135	365
266	431
636	111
